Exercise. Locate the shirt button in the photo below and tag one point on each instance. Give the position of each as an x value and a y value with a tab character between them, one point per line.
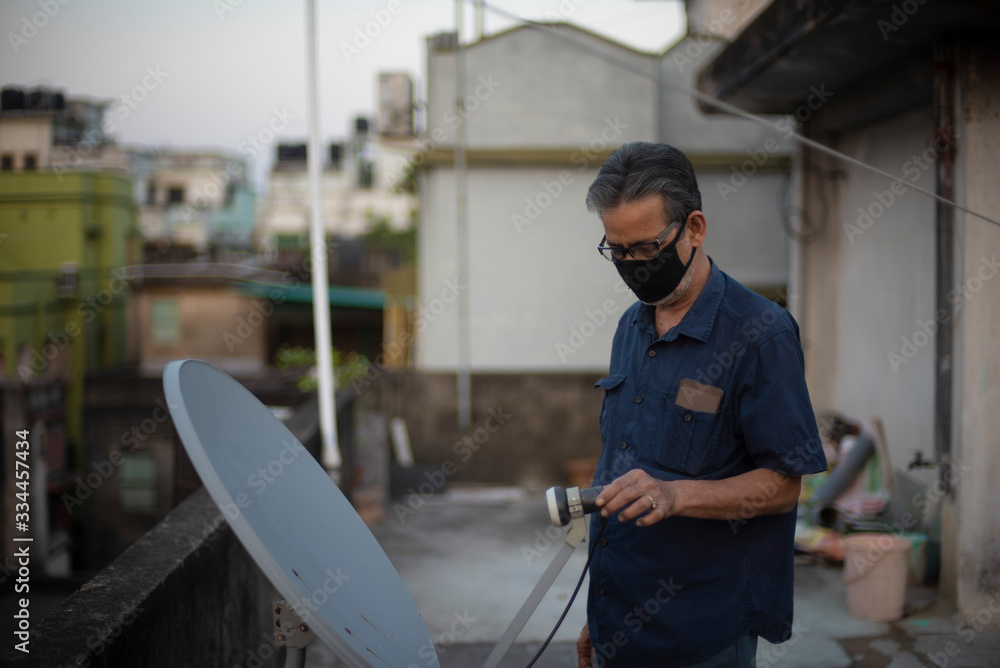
600	591
638	399
687	417
604	542
624	445
652	353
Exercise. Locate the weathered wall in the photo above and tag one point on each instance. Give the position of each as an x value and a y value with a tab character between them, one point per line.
819	293
978	355
29	134
127	414
547	419
216	324
534	270
886	282
725	18
870	283
185	594
540	297
529	283
123	416
683	124
524	89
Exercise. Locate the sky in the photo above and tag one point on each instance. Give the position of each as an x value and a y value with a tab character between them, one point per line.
215	73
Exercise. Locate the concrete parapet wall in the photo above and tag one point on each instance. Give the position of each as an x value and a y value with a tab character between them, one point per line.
525	426
185	594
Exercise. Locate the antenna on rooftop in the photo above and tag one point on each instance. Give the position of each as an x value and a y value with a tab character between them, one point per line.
336	582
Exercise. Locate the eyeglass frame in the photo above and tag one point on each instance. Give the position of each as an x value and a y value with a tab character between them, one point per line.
631	249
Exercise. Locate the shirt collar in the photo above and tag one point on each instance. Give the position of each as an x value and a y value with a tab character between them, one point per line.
700	318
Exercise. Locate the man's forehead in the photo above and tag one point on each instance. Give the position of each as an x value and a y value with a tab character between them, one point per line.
635	222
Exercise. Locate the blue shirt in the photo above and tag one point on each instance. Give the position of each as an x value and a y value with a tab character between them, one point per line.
683	589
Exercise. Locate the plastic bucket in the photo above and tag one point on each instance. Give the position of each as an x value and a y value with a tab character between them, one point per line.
875	569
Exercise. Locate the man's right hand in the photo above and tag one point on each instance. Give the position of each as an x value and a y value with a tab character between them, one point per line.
584	650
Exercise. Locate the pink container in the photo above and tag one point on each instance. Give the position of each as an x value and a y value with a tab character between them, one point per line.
875	567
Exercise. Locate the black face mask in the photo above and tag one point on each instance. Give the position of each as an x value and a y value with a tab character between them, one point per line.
653	279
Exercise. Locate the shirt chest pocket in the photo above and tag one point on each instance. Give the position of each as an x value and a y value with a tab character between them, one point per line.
686	438
612	396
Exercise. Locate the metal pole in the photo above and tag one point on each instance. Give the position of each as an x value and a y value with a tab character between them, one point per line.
330	454
574	536
462	219
295	657
945	53
794	298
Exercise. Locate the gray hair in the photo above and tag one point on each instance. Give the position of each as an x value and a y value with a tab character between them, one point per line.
641	168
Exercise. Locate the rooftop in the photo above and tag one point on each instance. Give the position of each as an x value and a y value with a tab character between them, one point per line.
187	594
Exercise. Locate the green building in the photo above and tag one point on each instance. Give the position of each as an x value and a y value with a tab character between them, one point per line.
66	240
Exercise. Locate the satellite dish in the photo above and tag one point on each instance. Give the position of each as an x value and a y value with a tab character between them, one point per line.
295	522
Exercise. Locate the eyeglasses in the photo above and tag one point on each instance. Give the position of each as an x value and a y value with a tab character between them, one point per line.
643	251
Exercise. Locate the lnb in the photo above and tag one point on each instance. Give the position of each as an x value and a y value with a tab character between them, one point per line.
567	504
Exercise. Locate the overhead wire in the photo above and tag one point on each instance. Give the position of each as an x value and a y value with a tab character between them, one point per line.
808	232
726	106
825	175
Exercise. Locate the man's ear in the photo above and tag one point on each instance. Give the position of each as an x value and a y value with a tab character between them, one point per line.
697	228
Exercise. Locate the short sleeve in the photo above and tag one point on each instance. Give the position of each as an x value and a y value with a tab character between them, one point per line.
774	411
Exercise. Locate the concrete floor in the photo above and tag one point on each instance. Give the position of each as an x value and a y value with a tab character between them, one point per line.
470	557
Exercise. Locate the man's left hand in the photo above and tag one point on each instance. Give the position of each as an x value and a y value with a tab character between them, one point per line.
638	494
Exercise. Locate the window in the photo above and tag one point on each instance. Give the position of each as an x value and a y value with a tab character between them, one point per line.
175	195
137	483
30	162
166	321
286	241
6	162
66	281
150	193
366	174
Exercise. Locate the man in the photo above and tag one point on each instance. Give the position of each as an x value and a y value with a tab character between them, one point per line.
707	428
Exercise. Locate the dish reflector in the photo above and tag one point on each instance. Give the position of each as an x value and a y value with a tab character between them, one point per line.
295	522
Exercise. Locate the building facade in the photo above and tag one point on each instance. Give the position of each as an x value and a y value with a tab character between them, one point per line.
540	298
361	185
894	289
199	200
